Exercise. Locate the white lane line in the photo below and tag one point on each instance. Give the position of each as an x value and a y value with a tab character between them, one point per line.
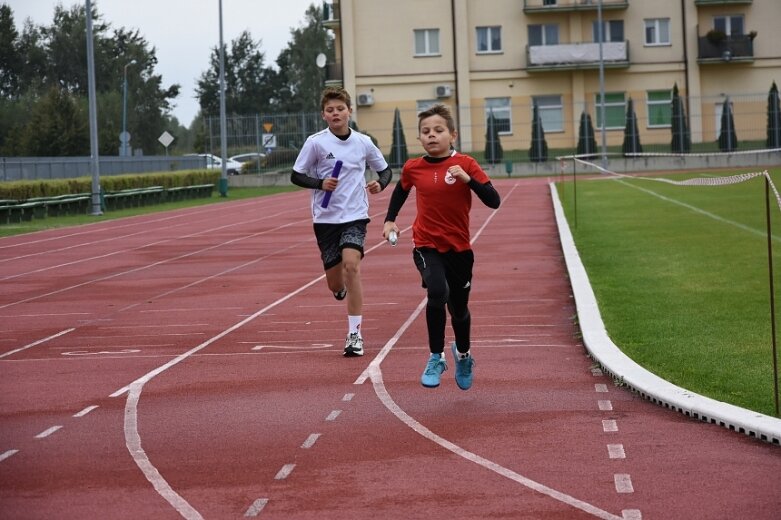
310	441
596	372
44	340
256	507
605	405
285	472
390	404
616	451
632	514
48	432
600	388
348	397
623	483
609	425
7	454
333	415
85	411
133	443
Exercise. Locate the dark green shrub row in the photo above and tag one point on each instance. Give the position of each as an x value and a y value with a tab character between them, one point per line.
21	190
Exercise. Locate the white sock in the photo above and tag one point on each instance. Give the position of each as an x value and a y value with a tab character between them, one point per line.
354	323
462	355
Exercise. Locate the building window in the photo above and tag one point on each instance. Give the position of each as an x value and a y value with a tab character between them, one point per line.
424	104
615	108
547	34
502	113
426	42
659	104
551	112
489	39
548	2
612	30
729	25
657	31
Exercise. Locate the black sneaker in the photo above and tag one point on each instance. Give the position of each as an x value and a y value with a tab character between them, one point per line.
353	346
340	294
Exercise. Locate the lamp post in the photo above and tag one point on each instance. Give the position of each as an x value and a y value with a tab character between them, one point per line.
123	137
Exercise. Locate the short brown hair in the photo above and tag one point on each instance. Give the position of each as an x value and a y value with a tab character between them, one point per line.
334	93
438	110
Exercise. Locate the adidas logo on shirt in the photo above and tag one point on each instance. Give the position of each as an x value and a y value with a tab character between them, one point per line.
330	156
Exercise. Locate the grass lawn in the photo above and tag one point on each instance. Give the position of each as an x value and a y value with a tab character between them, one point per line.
49	223
681	274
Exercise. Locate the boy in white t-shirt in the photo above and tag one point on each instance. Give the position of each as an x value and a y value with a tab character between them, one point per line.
340	205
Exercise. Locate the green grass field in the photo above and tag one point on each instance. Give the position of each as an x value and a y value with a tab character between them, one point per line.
681	274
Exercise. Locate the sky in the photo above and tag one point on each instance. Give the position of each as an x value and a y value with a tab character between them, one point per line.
183	32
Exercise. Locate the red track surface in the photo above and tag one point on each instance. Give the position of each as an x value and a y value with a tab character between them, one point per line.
192	364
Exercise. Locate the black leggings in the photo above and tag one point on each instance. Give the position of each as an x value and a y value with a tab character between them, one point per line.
447	277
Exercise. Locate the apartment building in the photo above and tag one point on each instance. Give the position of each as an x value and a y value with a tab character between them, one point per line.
503	56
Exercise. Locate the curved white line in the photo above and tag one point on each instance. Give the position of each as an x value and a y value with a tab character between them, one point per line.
374	372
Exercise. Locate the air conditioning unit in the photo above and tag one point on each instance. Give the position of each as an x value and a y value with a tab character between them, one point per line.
444	91
365	100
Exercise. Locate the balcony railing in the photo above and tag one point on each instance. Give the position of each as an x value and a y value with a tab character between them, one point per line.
576	56
331	14
722	2
547	6
730	48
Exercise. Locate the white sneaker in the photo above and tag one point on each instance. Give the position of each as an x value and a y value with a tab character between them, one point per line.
354	345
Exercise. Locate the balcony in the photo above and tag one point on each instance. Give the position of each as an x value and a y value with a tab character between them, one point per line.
722	2
570	56
559	6
331	14
726	49
334	76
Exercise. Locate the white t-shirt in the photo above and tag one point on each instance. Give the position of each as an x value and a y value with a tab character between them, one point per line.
349	201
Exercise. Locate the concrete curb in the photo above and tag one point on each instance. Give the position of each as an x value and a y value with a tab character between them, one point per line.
648	385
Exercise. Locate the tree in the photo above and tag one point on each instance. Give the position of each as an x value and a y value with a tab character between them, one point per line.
301	79
493	146
728	140
773	118
247	89
398	155
54	57
57	126
587	143
539	148
631	134
681	138
10	57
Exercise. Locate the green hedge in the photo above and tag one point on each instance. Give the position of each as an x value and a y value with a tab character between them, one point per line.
21	190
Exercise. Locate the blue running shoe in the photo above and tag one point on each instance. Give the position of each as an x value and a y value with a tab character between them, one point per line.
434	368
463	369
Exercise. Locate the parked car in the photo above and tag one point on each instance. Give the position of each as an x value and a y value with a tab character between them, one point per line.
248	157
215	163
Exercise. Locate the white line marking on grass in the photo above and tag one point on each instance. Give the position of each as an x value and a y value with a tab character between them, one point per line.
616	451
256	507
605	405
700	211
48	432
310	441
333	415
44	340
85	411
7	454
623	483
609	425
285	472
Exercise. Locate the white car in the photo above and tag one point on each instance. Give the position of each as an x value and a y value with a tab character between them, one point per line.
215	163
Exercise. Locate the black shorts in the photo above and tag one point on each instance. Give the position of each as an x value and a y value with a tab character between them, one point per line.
451	267
332	238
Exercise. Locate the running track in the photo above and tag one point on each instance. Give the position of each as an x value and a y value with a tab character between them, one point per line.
188	364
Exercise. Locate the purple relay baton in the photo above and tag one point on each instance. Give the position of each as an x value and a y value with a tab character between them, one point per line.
334	174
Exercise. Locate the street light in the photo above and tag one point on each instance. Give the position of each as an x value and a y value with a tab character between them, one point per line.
123	137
